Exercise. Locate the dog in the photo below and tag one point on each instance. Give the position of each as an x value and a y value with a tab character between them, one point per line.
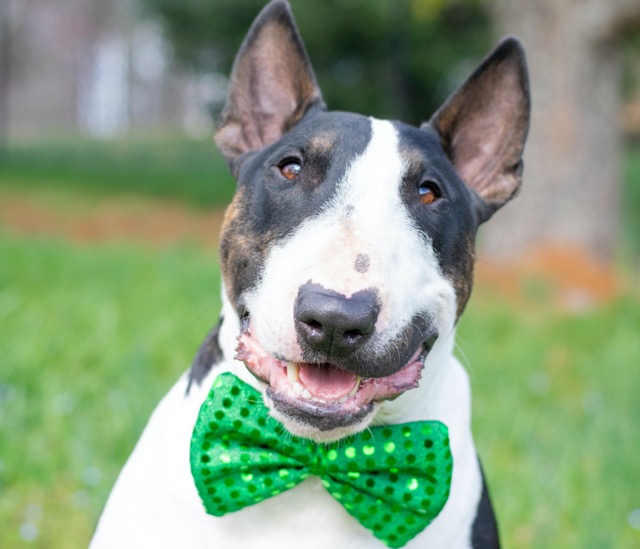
347	257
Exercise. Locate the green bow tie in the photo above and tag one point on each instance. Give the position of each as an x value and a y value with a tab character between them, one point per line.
394	480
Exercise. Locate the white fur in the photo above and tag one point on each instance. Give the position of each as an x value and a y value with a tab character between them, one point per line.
154	502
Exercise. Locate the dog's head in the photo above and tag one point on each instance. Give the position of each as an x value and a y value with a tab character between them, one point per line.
347	253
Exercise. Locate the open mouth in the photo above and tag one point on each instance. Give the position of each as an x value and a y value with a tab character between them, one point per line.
320	394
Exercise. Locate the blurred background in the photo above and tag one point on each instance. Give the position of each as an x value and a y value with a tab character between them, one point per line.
112	193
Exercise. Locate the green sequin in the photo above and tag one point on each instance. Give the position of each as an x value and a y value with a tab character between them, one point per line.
394	480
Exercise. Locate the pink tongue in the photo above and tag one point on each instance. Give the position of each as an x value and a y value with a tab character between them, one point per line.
326	382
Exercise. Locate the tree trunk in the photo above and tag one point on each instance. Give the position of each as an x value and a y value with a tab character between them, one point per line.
4	73
570	195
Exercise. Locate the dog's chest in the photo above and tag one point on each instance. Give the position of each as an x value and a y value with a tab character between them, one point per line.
155	501
304	515
308	516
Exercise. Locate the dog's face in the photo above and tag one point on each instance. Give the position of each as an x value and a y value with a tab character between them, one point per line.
347	252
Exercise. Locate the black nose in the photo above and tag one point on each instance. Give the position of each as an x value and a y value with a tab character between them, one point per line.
333	323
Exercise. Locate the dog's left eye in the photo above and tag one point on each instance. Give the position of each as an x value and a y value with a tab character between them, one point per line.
429	192
290	169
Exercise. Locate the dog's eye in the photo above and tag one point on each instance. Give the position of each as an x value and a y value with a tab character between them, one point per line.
290	169
428	192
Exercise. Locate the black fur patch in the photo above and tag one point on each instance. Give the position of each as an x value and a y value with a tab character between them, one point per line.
484	532
209	354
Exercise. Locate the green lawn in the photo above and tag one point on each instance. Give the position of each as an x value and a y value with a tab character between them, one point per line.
166	167
557	420
93	337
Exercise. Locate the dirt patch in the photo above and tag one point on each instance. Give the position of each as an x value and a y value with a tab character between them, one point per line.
566	276
148	221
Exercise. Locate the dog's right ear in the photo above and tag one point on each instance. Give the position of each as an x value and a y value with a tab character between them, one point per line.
483	126
272	86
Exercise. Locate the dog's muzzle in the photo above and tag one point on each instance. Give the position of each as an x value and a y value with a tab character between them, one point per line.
322	395
341	379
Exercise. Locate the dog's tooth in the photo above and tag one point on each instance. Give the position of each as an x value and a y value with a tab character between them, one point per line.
355	388
297	388
343	399
306	394
292	372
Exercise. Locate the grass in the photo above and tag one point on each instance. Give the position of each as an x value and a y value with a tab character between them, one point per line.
93	337
556	412
176	168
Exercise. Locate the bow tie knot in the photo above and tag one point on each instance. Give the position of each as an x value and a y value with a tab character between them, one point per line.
394	480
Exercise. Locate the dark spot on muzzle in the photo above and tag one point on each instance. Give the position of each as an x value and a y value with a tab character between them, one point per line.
361	264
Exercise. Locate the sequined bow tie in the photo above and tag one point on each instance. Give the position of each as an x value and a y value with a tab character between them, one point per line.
394	480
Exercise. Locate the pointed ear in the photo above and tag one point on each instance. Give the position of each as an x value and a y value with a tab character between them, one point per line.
483	126
272	85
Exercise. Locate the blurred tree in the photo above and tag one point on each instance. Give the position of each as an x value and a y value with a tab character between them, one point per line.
398	59
572	162
402	58
631	82
4	72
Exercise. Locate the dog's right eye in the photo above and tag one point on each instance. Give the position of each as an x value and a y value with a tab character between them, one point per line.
429	192
290	169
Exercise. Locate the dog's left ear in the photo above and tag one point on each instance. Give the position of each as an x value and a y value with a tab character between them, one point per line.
272	86
483	126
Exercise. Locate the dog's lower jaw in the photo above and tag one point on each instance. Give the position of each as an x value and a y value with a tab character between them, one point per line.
321	431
